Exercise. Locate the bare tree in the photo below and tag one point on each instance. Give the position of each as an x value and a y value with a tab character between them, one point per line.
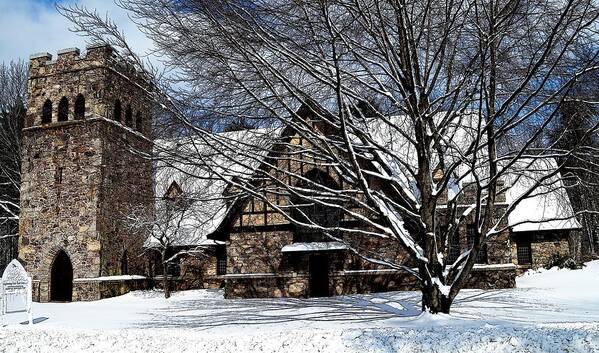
13	98
402	101
577	114
180	217
166	226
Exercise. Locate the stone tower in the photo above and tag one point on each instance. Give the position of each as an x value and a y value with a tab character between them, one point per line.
87	131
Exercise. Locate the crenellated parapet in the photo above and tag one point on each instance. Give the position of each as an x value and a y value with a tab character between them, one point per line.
95	84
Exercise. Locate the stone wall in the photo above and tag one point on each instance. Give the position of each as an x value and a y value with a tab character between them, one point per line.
256	252
60	213
493	277
354	282
543	246
126	184
87	290
198	272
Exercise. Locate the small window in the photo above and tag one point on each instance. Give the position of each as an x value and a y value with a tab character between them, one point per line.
80	107
125	264
63	109
481	258
58	175
138	122
524	253
128	116
47	112
221	261
116	115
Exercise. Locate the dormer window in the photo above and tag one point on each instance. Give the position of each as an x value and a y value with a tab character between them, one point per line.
174	192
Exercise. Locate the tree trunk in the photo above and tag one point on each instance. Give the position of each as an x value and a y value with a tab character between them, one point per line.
434	301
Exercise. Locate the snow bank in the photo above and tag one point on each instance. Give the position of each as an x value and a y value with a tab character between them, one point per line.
483	340
551	311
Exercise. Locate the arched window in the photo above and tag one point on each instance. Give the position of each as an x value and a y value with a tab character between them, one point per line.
125	264
117	111
63	109
47	112
80	107
138	122
128	116
309	210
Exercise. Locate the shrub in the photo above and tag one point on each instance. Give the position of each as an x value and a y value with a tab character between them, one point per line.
563	261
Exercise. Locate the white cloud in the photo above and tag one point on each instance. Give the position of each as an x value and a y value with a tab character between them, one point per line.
33	26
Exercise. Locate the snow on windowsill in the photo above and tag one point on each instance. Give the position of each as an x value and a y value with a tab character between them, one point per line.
110	278
314	246
368	272
495	267
250	275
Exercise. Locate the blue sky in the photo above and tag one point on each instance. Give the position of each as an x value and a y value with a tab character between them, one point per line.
33	26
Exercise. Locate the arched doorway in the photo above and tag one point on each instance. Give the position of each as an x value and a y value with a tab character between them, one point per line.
61	278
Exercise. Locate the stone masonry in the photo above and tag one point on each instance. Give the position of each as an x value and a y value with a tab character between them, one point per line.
82	175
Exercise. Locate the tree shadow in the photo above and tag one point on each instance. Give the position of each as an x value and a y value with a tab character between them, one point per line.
209	313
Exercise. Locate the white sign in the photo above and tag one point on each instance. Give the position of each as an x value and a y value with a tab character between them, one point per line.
15	290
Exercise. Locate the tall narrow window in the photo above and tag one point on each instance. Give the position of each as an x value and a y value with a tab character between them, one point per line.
116	115
128	116
63	109
125	264
47	112
453	244
80	107
221	261
481	258
138	122
58	175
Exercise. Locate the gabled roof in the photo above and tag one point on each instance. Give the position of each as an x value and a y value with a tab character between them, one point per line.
202	176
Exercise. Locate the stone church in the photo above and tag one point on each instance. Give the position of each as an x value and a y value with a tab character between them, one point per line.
85	167
265	255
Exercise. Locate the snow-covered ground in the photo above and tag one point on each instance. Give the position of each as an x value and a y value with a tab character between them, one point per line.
550	311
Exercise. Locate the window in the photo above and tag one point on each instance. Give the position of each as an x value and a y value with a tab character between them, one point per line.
221	261
309	210
116	115
128	116
524	253
63	109
453	244
58	175
125	264
471	236
138	122
47	112
80	107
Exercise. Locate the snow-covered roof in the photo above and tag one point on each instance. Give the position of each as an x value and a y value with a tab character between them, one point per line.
548	206
202	174
546	209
